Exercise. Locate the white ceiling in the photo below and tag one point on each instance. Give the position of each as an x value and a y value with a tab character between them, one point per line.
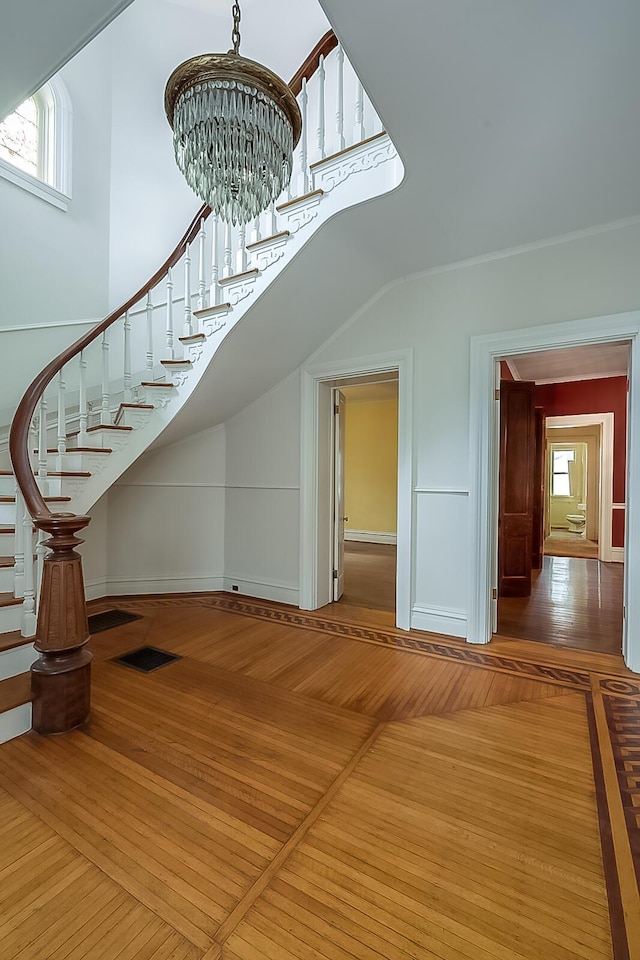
516	121
573	363
37	38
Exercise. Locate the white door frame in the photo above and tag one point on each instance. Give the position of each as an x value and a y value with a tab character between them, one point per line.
485	350
605	422
315	512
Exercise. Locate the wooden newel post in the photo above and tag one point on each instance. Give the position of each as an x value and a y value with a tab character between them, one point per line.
61	677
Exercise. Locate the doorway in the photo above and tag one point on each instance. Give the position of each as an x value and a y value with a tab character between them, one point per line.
557	582
317	478
365	459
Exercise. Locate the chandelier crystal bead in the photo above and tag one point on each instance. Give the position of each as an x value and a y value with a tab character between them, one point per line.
235	127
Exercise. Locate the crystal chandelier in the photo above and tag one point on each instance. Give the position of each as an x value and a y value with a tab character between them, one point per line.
235	127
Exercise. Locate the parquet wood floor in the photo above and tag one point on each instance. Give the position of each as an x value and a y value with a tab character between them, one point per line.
289	792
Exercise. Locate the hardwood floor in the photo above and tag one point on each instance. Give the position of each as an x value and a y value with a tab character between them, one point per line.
369	576
297	787
573	602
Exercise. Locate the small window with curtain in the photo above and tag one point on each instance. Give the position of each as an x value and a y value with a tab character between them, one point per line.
560	480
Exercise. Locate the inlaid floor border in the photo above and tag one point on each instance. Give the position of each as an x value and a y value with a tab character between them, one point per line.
614	736
436	647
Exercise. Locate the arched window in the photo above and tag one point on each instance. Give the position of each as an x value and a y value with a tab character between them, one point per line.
35	144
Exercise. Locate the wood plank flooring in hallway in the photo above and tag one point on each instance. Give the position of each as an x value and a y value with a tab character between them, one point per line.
296	787
574	603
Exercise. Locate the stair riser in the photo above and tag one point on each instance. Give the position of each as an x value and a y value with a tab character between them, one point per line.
7	580
16	661
134	418
7	514
7	486
7	544
110	439
10	618
15	722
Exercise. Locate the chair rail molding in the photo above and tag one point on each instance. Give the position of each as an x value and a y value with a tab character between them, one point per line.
315	524
483	453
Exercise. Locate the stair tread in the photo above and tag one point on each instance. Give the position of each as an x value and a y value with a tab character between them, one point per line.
15	691
265	240
158	383
213	309
8	600
9	562
7	529
294	200
46	499
68	473
9	641
80	450
176	363
238	276
194	338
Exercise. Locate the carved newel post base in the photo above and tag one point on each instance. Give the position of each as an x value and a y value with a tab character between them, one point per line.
61	677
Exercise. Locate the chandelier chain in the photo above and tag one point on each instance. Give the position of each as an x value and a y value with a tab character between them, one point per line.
235	34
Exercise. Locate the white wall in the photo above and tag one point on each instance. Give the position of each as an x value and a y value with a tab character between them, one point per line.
54	264
263	495
166	518
435	314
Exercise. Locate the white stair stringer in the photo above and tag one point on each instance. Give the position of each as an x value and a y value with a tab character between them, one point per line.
303	218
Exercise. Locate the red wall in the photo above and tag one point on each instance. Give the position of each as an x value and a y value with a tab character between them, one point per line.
606	395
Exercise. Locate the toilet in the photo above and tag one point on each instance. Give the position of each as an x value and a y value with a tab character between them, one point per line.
576	522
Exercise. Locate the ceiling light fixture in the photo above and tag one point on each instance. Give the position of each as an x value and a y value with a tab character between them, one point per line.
235	126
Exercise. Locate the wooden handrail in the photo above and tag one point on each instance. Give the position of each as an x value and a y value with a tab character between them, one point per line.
19	434
323	48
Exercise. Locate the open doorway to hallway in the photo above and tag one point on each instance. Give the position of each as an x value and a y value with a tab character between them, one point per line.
365	497
562	474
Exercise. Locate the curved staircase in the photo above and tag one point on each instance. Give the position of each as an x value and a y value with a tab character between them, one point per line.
95	409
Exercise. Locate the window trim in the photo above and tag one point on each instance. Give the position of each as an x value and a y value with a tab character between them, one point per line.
55	128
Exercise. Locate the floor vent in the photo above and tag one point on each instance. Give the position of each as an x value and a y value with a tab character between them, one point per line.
146	659
110	618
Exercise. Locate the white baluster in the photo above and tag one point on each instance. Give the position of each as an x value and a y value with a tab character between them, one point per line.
41	552
358	128
304	172
340	99
82	404
169	330
241	254
321	138
62	415
214	291
188	324
42	439
202	279
104	410
272	221
18	550
255	232
228	251
127	358
149	335
28	622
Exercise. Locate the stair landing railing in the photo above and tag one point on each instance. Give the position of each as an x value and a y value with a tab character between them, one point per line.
143	339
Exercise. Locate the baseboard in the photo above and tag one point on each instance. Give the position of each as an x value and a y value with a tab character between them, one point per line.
95	589
617	554
370	536
116	587
453	623
278	592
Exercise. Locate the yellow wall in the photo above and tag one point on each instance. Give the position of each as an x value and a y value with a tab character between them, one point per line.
371	465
